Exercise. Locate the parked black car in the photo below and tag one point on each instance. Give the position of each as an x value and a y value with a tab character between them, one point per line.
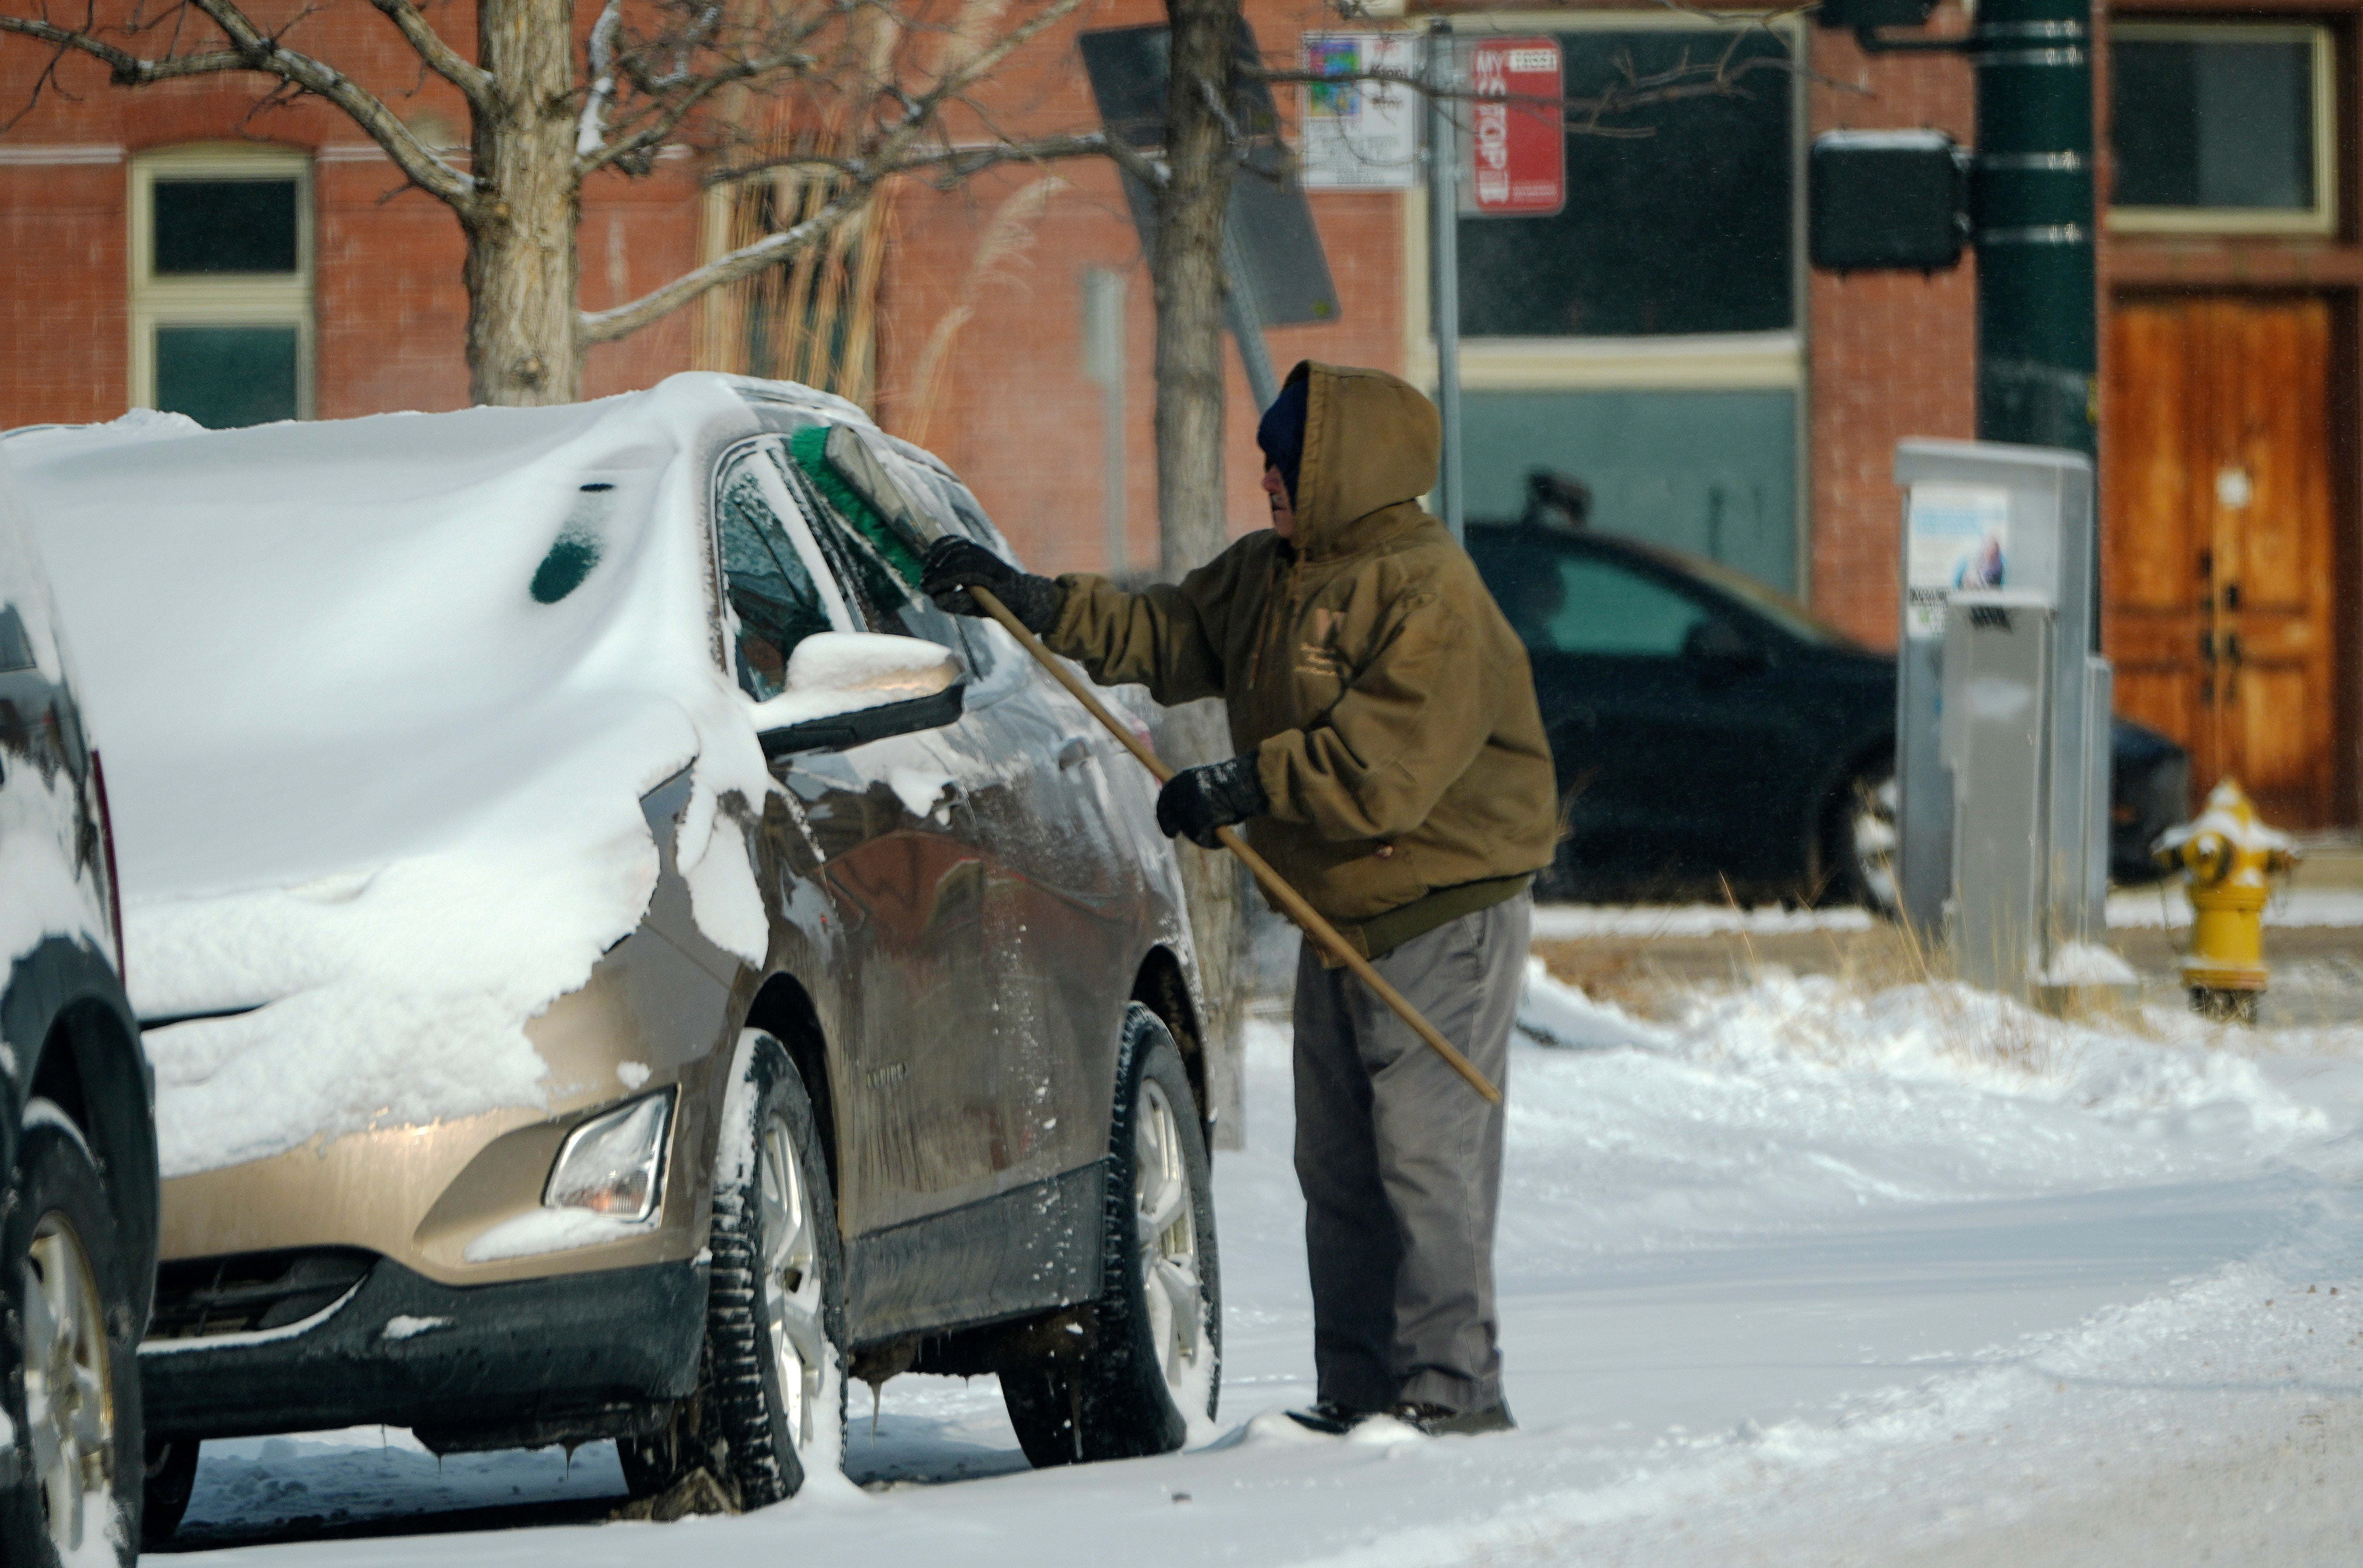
1714	738
78	1194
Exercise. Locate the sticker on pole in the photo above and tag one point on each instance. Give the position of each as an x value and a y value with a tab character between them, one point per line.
1517	129
1360	134
1959	538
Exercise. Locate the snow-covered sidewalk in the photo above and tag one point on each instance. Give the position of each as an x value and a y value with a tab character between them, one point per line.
1806	1274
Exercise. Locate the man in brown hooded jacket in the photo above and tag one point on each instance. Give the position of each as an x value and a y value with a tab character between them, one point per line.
1391	765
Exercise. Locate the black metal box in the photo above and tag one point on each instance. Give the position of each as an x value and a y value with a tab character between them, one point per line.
1886	200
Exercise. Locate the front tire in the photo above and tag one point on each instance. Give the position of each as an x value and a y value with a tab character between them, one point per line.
80	1392
1153	1354
770	1409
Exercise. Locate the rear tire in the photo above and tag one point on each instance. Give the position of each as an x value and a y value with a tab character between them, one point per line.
172	1479
1862	845
1152	1351
76	1408
769	1408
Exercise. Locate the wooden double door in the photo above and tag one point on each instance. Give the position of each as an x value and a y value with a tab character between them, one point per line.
2219	560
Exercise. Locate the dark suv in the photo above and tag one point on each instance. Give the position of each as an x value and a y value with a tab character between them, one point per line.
1716	739
77	1138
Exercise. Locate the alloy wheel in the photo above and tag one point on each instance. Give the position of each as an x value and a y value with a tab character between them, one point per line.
792	1296
69	1391
1168	1235
1872	836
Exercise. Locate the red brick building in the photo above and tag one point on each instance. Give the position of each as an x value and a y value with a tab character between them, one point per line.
1662	339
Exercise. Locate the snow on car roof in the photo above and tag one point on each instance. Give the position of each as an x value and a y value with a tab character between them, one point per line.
379	698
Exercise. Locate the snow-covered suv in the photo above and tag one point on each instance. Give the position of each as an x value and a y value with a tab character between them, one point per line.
617	961
77	1144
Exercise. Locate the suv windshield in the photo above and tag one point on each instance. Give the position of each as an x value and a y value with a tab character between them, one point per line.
1761	596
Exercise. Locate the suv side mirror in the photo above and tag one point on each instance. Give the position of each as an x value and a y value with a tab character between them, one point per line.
846	688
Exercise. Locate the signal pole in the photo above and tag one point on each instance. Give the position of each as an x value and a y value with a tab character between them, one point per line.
2037	340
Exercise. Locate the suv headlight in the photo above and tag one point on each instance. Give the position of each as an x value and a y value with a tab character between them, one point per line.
614	1165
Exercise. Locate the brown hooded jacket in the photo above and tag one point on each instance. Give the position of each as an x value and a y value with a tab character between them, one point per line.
1390	705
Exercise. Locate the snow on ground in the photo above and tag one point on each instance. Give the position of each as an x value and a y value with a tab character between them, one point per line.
2160	905
1803	1275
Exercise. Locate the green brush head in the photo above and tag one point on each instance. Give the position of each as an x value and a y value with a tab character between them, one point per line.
843	468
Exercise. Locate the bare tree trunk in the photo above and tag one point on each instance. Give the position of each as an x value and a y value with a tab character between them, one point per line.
521	263
1187	269
1187	273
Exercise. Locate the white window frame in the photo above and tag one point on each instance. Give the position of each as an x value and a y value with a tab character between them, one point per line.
220	299
1705	361
2322	217
1737	361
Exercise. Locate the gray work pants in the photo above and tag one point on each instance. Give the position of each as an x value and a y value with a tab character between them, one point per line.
1401	1165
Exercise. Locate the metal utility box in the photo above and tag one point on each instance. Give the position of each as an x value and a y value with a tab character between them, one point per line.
1997	659
1894	200
1982	518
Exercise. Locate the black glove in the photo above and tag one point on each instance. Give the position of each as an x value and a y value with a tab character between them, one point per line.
955	565
1197	800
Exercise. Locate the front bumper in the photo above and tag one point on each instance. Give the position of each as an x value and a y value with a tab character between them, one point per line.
566	1358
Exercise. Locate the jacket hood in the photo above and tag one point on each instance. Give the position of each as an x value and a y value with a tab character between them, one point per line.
1370	446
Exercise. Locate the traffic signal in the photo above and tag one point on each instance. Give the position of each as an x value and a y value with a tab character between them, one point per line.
1889	199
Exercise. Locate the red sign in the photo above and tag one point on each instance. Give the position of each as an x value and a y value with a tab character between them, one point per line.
1517	148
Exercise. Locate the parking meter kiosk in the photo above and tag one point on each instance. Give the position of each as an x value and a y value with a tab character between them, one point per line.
2004	536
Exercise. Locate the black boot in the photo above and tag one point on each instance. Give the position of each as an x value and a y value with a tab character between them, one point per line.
1442	1420
1330	1418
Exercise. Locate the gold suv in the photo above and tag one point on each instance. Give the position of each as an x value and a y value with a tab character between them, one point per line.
617	961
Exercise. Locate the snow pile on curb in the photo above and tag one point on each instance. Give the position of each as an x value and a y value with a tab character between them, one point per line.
1552	1012
1948	1033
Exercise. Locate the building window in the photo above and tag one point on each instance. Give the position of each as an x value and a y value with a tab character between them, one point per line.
1687	229
1645	339
221	285
2222	126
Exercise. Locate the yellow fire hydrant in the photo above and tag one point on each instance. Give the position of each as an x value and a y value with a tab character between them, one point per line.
2225	854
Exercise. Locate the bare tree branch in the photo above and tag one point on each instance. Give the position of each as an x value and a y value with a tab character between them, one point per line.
952	164
252	50
592	131
606	325
667	117
473	82
892	153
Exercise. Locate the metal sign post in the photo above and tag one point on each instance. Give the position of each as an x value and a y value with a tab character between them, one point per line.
1444	263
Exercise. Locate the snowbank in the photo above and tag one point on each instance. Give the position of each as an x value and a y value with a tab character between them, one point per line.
379	698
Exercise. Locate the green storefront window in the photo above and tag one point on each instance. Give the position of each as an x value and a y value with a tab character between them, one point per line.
227	376
1711	472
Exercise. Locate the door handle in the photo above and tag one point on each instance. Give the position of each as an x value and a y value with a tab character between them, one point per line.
1076	750
2207	647
2232	648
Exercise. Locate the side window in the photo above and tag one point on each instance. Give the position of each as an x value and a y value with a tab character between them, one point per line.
1570	603
884	602
15	648
770	587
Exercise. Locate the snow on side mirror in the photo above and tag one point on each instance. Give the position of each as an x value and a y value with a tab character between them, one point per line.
848	687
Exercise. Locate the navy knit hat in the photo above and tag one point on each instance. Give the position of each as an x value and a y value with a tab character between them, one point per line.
1282	434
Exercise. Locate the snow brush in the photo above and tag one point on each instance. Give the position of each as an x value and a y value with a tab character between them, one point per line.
844	465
